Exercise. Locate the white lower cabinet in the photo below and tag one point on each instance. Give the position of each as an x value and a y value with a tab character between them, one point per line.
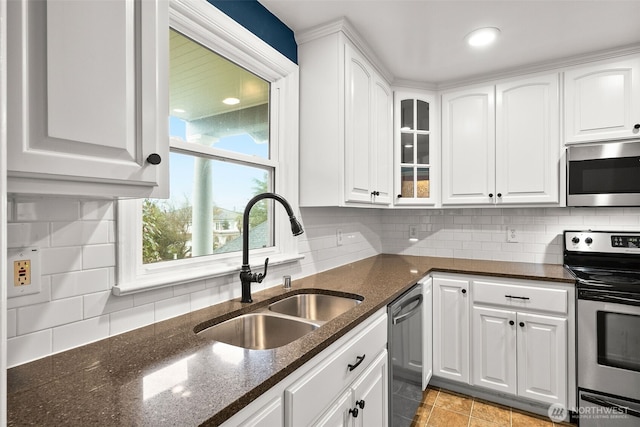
451	328
359	368
348	378
364	403
520	353
521	342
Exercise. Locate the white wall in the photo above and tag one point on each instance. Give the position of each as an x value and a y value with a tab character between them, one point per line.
77	242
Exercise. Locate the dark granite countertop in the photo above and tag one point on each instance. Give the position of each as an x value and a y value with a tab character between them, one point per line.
164	374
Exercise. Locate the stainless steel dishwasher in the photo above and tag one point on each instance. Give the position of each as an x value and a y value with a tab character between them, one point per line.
406	315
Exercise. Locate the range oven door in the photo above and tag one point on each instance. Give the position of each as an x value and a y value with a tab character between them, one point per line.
609	342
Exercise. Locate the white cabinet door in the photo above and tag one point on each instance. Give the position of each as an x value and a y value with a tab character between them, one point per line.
602	101
416	149
338	414
468	146
358	104
542	358
381	174
451	329
528	141
427	332
370	395
269	416
89	95
494	349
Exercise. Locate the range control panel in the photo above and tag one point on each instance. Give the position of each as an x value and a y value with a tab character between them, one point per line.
602	241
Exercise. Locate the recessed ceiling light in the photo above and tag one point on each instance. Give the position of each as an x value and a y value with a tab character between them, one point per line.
482	36
231	101
178	110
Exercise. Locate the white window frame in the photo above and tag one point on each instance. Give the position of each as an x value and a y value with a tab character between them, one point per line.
213	29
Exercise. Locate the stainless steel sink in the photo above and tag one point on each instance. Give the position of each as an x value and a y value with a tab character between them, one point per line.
258	331
318	307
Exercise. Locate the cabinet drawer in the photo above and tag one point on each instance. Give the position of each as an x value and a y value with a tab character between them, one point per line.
519	297
315	391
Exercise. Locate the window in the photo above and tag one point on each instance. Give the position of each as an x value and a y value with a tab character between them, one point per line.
233	134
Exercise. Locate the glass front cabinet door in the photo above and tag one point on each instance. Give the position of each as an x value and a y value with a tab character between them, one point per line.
416	174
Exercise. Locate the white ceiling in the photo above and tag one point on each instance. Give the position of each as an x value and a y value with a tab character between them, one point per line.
423	40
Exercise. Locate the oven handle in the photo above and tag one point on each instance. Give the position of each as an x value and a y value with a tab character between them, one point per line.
607	404
610	298
414	310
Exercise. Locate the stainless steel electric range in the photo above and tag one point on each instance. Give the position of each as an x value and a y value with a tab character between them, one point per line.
607	269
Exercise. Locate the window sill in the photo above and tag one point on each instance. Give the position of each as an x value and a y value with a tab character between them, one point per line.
181	276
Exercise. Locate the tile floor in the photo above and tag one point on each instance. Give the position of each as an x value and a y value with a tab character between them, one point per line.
444	408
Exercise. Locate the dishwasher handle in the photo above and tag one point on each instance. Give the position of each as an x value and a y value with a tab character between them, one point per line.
399	319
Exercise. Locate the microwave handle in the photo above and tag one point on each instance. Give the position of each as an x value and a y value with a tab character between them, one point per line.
605	403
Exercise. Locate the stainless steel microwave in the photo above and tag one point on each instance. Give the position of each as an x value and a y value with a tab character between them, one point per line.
604	174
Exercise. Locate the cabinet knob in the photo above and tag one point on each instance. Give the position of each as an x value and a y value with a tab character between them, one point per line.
375	193
399	196
464	291
354	412
491	195
154	159
499	195
511	322
636	126
360	404
521	324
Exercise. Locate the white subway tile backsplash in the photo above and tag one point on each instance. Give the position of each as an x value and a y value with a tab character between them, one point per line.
80	333
79	283
79	233
48	315
97	210
43	296
131	318
78	246
46	210
100	303
28	234
61	260
172	307
143	298
96	256
25	348
11	323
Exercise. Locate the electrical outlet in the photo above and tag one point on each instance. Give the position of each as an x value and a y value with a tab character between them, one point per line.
23	271
413	232
512	235
339	237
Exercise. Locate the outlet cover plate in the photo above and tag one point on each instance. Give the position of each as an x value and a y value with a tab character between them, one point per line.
23	271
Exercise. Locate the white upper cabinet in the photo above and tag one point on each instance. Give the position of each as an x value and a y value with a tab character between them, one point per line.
501	144
528	141
346	151
416	149
88	89
602	101
468	146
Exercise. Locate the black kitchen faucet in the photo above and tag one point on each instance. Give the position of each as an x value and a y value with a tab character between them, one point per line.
246	277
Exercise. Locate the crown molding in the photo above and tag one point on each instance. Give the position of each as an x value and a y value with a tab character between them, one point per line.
342	25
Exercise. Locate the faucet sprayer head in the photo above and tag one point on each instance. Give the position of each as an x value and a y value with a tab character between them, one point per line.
296	227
